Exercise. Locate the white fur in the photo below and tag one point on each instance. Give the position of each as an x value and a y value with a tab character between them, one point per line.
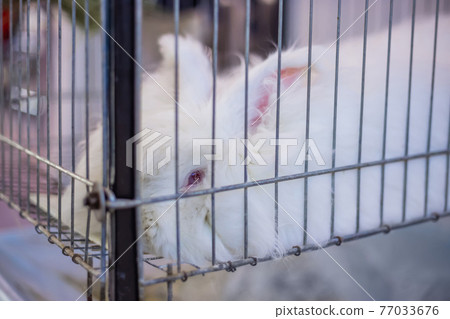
195	83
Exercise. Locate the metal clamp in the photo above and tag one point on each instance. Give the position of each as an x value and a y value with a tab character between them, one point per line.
299	250
340	240
37	228
74	258
65	250
230	267
96	200
50	239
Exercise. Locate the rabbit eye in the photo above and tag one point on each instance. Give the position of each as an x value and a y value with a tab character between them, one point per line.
195	177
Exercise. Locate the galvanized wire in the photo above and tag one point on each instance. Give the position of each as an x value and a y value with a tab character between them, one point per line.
19	86
59	115
177	206
28	103
335	113
213	126
86	110
388	67
430	116
38	102
125	203
247	54
307	125
2	100
72	182
11	62
408	112
446	194
277	130
361	117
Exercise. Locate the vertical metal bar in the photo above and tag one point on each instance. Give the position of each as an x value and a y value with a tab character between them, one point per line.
19	89
277	130
247	54
388	68
335	112
2	98
176	16
38	106
169	283
72	181
308	113
408	112
86	111
106	104
361	118
137	116
430	117
124	250
214	95
89	279
47	76
11	63
28	103
59	115
448	168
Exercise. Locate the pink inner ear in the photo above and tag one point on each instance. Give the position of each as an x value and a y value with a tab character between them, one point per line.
288	77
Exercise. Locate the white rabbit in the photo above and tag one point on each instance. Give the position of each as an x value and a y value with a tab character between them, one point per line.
195	96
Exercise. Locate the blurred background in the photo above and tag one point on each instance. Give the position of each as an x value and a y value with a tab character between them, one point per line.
408	264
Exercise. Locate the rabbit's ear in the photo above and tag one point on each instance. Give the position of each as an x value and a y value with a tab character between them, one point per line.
264	83
194	66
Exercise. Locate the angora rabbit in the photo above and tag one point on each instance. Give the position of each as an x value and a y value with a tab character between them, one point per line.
264	237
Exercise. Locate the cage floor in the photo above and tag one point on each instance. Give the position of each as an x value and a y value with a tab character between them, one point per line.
416	268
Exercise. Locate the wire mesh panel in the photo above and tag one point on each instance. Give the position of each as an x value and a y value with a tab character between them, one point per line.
46	104
148	170
347	103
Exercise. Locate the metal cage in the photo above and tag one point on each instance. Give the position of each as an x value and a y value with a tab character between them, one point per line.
54	79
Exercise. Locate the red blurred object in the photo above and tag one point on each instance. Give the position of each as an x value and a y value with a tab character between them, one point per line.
6	23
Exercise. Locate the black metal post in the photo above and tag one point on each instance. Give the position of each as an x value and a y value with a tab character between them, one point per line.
124	250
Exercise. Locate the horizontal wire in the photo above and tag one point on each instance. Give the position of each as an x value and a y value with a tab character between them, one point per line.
293	251
46	161
128	203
